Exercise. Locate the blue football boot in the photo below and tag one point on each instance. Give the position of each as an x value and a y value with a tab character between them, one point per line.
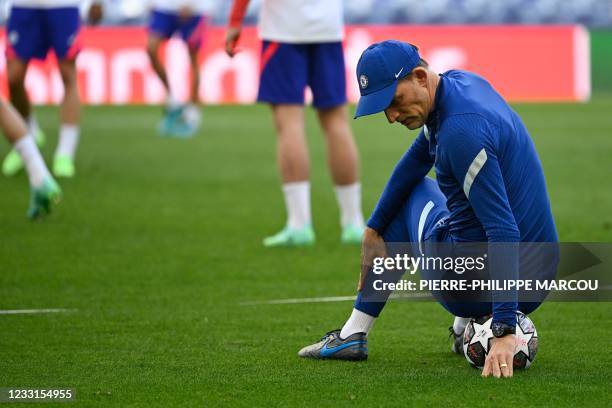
331	346
172	116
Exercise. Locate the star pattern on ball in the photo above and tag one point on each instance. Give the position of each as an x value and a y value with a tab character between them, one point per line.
522	340
480	334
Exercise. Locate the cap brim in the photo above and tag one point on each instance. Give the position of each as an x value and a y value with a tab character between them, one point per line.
376	101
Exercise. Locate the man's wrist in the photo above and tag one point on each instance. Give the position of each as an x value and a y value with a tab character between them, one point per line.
376	228
502	329
370	233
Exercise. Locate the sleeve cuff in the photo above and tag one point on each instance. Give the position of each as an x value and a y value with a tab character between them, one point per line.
506	314
375	226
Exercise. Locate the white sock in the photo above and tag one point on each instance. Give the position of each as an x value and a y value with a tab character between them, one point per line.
349	201
33	124
359	322
192	115
68	141
34	163
297	201
459	324
172	102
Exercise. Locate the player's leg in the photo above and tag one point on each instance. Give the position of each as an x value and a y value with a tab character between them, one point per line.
192	32
350	342
154	42
45	190
194	65
327	81
16	70
70	115
161	27
342	159
294	167
62	26
24	42
282	84
192	114
172	108
16	73
456	333
416	220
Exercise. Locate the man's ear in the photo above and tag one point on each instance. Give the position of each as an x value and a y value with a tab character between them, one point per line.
420	75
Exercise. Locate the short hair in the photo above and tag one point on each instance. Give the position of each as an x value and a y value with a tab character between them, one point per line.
422	63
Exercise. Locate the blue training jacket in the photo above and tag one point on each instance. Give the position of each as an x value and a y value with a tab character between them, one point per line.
487	168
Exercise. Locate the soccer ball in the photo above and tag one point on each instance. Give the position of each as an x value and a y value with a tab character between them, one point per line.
478	336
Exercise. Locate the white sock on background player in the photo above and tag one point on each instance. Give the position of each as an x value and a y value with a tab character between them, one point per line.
459	324
172	102
34	163
192	115
33	126
358	322
349	201
68	141
297	201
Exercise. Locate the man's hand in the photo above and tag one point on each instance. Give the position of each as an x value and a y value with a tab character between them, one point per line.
231	39
94	16
373	246
500	358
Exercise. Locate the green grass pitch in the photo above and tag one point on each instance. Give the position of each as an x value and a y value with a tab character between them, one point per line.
158	243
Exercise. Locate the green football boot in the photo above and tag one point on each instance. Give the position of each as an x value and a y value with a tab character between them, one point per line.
13	163
290	237
63	166
352	234
43	197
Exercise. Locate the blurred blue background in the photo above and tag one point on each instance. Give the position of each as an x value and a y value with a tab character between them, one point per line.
592	13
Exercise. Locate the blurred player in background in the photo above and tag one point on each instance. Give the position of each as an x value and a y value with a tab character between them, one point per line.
45	190
34	27
185	18
302	46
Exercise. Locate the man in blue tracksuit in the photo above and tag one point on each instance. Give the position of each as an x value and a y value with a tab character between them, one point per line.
489	188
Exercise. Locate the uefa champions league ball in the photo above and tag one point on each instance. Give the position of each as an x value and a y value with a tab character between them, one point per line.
478	337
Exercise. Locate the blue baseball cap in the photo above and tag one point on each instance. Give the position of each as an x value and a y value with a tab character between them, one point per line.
379	69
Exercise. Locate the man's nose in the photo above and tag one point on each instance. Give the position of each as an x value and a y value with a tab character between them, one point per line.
392	115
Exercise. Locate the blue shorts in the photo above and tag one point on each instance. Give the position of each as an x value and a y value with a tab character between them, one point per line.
32	32
166	24
286	70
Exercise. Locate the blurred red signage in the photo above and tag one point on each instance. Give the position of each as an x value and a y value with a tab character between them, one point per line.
524	63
